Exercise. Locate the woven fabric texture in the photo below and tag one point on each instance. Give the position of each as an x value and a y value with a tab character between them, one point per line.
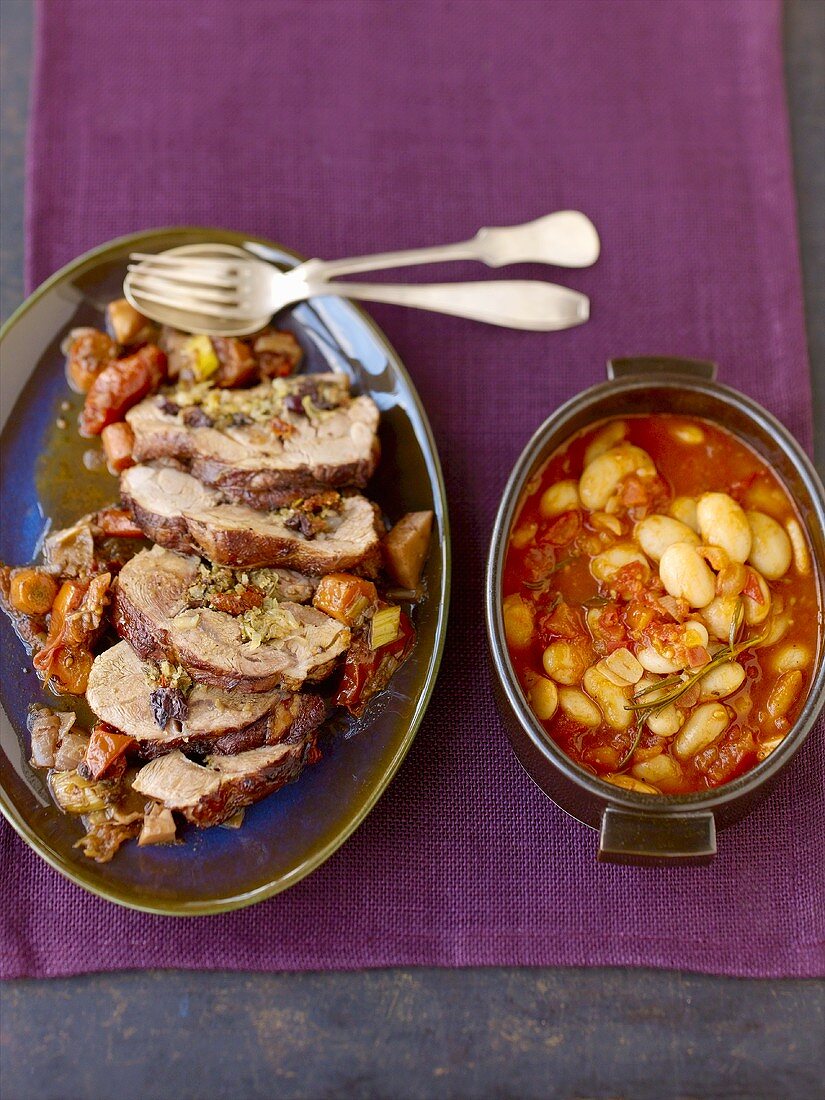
346	126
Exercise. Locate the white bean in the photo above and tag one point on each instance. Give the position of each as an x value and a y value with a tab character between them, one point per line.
784	693
792	656
757	611
779	625
666	722
705	725
612	699
722	522
659	769
655	533
576	706
719	615
606	565
771	550
721	681
688	433
564	662
544	698
801	556
685	574
604	439
684	509
601	478
604	521
654	661
518	621
694	634
522	536
561	497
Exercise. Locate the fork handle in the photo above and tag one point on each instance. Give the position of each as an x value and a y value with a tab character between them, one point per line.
511	303
565	238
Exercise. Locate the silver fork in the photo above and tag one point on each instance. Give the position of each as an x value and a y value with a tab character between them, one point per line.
223	290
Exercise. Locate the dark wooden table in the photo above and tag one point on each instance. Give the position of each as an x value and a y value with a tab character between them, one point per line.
423	1033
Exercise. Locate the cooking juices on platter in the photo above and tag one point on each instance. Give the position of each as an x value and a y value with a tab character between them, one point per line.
660	604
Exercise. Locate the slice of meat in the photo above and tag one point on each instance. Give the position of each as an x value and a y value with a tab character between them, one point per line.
263	446
152	612
120	693
179	512
207	794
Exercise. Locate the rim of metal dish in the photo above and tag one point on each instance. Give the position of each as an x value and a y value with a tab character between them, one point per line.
75	872
608	792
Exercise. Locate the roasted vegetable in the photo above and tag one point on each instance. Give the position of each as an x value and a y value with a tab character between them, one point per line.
384	626
77	613
118	440
201	357
158	826
120	385
70	552
106	750
367	671
30	628
279	353
345	597
48	729
237	363
126	325
88	352
405	548
32	592
105	835
76	795
71	750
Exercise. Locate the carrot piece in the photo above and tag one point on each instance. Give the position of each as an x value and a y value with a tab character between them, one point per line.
70	668
118	440
32	592
88	354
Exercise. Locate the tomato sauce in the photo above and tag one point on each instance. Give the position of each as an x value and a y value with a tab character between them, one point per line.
586	608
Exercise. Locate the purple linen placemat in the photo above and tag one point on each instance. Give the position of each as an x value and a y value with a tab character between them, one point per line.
339	127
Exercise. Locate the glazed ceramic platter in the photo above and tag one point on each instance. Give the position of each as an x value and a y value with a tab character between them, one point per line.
42	480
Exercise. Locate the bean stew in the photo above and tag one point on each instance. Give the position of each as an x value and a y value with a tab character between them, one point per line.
660	603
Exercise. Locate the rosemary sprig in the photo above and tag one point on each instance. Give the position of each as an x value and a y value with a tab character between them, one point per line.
685	681
634	744
736	622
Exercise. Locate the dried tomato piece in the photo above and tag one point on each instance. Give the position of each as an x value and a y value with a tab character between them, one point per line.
539	562
563	529
608	630
121	385
107	747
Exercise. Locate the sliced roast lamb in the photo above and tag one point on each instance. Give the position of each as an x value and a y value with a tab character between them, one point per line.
207	794
180	513
123	691
266	445
280	644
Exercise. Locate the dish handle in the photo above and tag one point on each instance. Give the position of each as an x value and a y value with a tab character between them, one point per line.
642	839
661	364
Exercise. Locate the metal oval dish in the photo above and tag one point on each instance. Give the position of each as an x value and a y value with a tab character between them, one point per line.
635	828
289	834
